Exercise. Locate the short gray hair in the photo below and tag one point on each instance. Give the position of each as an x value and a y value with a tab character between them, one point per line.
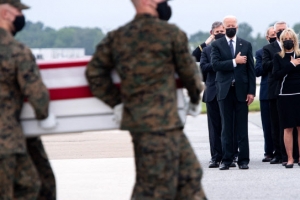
216	25
268	30
230	17
280	22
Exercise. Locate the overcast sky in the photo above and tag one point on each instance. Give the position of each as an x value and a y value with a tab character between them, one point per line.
189	15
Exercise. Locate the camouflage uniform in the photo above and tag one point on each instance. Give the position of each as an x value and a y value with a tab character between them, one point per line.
41	162
146	53
19	79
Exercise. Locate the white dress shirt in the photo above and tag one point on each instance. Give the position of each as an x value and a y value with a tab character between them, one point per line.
234	47
279	44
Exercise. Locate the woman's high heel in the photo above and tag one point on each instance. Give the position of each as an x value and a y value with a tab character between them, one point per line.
289	166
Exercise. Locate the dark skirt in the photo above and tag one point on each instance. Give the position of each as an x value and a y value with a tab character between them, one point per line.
289	111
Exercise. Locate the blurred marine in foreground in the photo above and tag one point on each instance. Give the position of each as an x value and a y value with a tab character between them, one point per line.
20	176
146	53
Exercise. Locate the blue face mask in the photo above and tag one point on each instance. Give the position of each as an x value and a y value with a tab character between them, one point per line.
164	11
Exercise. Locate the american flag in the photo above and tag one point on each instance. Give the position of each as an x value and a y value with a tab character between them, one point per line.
72	102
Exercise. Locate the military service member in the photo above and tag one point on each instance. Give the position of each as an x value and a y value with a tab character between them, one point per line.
20	177
146	53
40	160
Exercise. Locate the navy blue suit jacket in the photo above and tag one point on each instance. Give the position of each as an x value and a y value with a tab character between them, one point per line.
259	71
269	52
206	67
243	74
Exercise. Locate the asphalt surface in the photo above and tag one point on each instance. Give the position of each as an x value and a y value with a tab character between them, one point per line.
100	165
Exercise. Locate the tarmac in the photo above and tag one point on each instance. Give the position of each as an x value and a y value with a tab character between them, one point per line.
100	166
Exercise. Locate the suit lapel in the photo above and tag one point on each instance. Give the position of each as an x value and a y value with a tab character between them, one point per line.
277	47
226	47
239	46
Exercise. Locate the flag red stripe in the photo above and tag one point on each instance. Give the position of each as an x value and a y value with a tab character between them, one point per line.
80	92
62	64
70	93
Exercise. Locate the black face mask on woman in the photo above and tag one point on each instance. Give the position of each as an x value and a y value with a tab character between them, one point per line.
164	11
288	44
230	32
19	24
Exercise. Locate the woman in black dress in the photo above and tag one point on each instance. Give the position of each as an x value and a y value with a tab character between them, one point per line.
286	69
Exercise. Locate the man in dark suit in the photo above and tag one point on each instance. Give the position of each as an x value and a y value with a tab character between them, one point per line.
267	63
232	59
199	49
277	133
209	97
264	99
268	54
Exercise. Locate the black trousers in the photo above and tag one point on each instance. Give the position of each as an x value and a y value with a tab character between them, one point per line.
266	125
234	115
277	135
214	129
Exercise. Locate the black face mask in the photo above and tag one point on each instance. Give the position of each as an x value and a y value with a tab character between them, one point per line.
288	44
278	34
272	39
230	32
164	11
219	35
19	24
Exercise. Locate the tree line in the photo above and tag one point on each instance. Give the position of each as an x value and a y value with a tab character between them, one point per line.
37	35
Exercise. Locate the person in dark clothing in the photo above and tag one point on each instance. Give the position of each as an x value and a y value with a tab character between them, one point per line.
210	98
269	52
232	59
286	69
263	98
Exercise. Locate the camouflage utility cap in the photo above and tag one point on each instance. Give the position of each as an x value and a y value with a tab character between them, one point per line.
15	3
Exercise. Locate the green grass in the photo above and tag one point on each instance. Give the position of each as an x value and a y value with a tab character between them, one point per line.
254	107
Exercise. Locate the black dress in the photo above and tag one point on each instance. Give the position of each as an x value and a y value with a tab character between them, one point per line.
288	90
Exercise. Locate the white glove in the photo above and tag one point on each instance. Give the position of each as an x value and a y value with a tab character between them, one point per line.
194	109
118	113
48	123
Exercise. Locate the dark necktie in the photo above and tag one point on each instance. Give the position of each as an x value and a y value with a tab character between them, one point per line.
231	48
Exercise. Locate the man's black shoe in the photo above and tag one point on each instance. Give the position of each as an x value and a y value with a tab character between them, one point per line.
267	158
232	165
223	167
213	164
276	161
243	166
235	159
